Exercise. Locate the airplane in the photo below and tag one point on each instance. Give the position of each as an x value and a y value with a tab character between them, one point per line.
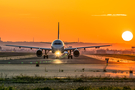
58	47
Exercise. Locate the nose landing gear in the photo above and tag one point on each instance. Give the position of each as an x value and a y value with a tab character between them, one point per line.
57	57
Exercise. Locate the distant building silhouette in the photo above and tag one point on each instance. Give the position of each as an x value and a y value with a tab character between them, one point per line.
101	51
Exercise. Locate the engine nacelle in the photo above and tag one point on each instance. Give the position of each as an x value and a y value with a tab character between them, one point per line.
76	53
39	53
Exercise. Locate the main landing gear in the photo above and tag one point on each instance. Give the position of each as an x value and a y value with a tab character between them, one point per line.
70	56
45	56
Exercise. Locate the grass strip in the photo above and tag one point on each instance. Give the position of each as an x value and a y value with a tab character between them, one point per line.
40	79
79	88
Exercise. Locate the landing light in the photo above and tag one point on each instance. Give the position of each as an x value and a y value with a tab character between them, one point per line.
58	53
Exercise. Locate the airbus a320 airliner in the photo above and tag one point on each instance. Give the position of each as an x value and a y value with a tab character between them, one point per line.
57	47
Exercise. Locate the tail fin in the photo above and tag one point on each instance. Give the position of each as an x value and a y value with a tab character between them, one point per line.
58	30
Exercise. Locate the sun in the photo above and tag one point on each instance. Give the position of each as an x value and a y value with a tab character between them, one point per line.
127	36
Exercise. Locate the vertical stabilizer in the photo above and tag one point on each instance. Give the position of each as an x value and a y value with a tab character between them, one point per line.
58	30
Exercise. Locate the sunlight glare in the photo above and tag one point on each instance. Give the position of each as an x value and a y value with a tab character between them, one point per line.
127	36
57	61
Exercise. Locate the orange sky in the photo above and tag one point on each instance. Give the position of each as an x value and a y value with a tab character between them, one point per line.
88	20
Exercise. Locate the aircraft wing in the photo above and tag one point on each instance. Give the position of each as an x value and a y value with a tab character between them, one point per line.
86	47
29	47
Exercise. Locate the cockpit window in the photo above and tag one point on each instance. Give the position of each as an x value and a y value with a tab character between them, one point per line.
57	43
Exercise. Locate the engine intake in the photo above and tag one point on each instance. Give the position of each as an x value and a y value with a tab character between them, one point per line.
76	53
39	53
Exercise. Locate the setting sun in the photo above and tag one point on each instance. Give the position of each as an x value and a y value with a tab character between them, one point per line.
127	36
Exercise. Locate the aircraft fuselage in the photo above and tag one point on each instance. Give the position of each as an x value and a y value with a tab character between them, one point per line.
57	45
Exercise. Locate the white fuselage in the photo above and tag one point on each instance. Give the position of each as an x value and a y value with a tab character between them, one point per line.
57	45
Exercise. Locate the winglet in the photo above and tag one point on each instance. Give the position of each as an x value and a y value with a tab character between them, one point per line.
58	30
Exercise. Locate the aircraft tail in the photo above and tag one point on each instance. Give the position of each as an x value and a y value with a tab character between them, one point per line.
58	30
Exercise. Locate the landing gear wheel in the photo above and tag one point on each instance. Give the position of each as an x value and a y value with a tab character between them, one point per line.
45	56
70	56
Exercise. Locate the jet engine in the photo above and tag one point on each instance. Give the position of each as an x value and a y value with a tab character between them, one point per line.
39	53
76	53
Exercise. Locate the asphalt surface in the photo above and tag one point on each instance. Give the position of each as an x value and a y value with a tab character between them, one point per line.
82	59
63	67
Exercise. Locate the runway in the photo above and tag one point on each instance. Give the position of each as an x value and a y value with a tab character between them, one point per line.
82	59
63	67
